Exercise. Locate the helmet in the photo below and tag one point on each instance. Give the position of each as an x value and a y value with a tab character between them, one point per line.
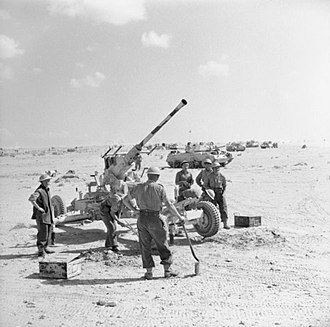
207	160
184	162
216	164
44	177
210	193
153	171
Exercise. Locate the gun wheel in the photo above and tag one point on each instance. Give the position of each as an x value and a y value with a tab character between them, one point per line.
58	204
209	222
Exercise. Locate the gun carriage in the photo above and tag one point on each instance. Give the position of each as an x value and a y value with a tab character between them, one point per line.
200	212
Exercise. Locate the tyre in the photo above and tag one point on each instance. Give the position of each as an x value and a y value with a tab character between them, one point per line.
209	222
58	204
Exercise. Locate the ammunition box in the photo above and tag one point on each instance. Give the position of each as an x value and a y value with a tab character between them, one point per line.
247	221
60	265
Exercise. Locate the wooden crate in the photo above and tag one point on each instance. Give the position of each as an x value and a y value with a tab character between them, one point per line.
247	221
60	265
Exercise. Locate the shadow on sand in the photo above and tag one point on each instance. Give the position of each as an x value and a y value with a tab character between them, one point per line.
104	281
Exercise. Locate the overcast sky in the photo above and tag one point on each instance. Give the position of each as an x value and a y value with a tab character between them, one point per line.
95	72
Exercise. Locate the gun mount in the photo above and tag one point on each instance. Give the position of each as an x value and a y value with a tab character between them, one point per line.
118	165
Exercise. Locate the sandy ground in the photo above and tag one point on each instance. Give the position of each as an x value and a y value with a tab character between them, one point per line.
273	275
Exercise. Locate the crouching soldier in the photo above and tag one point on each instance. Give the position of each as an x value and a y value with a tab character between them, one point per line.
110	209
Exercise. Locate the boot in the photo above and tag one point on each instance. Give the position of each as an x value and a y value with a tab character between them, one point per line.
115	249
49	251
168	272
148	275
52	239
41	251
225	225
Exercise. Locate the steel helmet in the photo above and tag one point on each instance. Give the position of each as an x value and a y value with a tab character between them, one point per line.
153	171
207	160
44	177
210	193
216	164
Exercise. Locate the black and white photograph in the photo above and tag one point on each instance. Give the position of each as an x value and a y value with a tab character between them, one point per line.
165	163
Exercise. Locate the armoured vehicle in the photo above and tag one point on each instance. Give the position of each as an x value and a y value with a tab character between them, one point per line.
197	157
235	146
203	214
252	144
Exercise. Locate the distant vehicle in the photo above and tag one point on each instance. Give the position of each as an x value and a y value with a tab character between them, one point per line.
235	146
173	146
265	145
196	158
252	144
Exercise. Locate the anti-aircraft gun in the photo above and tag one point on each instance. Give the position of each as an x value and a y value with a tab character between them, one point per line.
198	211
116	166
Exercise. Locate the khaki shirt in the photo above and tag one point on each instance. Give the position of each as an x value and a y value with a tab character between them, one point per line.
202	176
215	181
150	196
184	180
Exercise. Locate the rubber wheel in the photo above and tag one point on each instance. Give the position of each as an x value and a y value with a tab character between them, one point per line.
59	206
209	222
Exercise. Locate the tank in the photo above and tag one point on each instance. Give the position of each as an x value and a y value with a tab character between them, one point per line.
196	158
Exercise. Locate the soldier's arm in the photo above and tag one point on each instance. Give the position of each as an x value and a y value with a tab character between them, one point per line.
207	183
170	207
33	198
177	178
178	181
191	180
224	184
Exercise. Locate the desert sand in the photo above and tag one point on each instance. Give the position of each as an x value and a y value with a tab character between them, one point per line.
276	274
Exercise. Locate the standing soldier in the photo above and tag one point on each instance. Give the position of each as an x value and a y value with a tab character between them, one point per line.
150	197
43	214
138	161
183	179
217	182
203	175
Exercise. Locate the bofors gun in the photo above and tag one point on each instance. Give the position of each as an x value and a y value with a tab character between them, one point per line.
119	165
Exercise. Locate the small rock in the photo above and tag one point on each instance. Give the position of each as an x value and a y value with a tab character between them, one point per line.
106	303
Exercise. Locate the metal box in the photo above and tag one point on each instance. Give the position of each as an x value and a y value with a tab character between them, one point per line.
60	265
247	221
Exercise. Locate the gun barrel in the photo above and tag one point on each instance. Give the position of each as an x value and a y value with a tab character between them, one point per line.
123	164
156	129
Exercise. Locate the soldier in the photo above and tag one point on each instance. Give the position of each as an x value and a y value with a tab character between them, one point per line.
110	209
43	214
217	182
138	161
202	176
184	180
150	197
